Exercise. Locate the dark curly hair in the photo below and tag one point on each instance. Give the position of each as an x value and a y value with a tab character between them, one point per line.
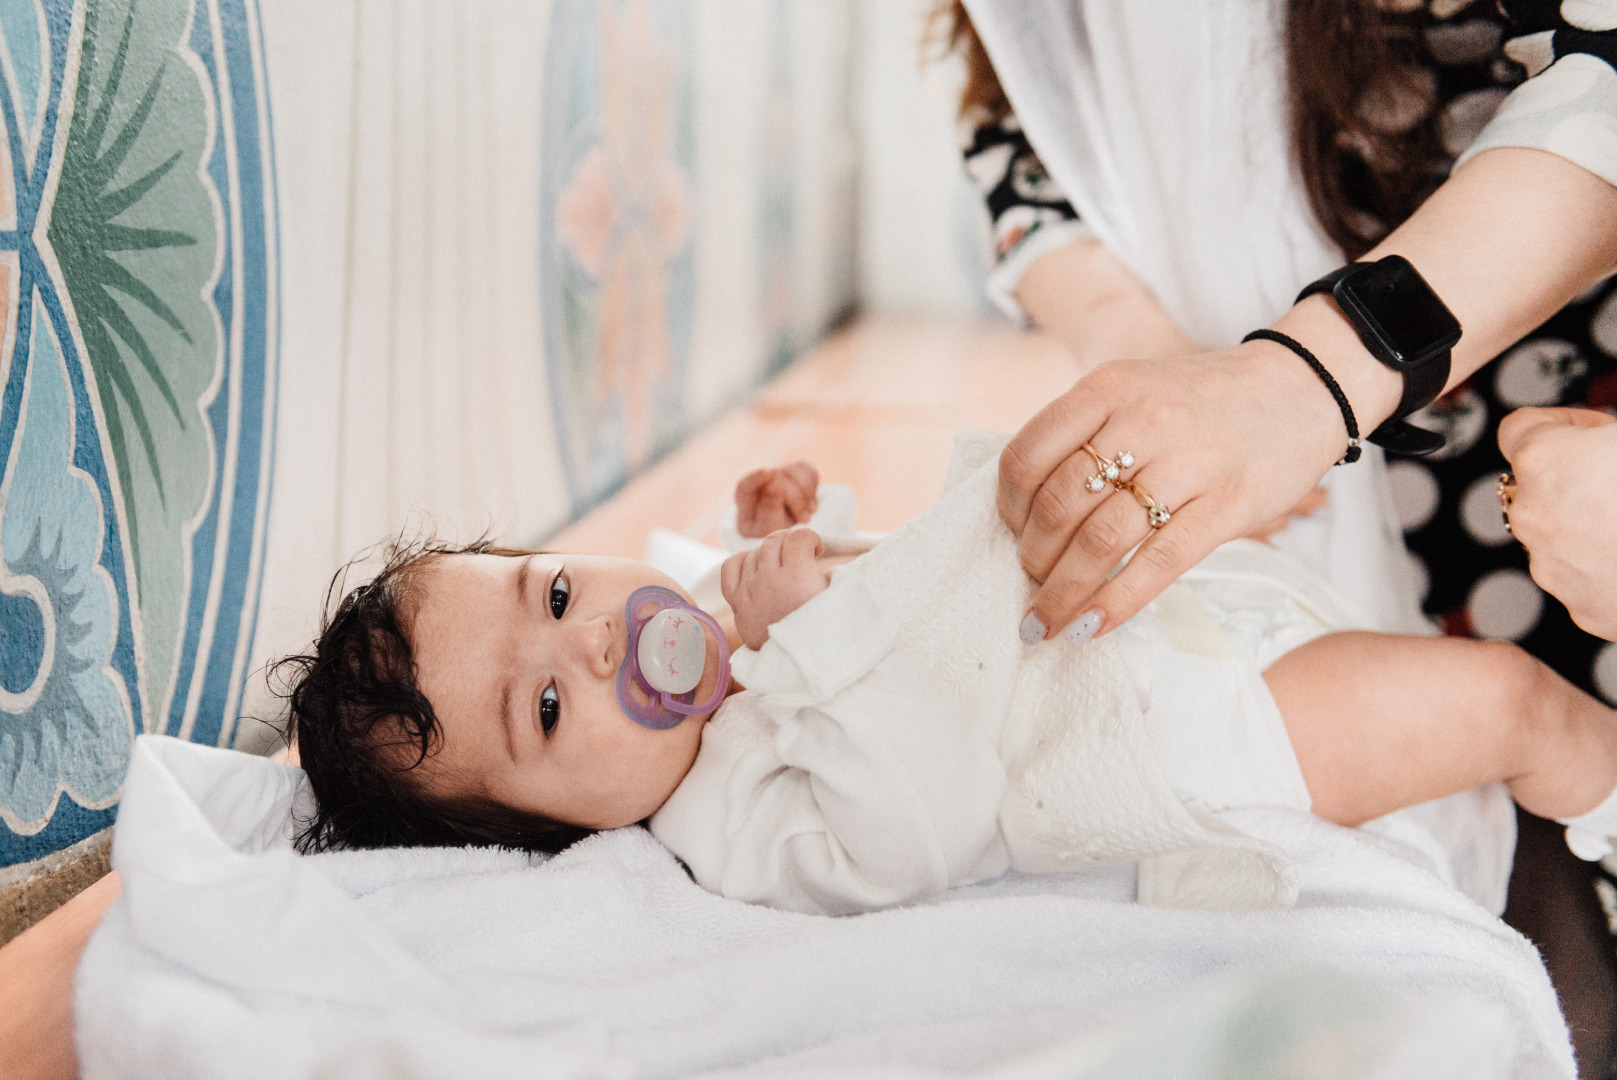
356	713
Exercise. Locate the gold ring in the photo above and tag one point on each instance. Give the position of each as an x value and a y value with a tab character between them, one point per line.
1507	496
1107	471
1156	513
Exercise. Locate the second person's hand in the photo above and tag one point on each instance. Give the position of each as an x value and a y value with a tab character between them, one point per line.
1565	507
1225	442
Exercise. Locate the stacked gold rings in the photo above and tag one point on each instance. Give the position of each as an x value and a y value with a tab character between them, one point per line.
1507	495
1110	471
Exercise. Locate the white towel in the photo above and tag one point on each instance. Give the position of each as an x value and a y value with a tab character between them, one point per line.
228	955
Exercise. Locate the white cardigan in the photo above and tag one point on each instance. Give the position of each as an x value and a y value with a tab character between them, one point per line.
896	739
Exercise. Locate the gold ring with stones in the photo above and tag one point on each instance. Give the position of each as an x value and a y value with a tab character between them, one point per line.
1507	495
1106	471
1156	513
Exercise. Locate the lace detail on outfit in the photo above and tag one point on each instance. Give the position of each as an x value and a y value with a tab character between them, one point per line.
1085	785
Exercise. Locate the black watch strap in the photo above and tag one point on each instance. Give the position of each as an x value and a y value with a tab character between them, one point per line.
1422	384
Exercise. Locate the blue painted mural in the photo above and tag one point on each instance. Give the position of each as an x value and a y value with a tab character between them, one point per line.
137	391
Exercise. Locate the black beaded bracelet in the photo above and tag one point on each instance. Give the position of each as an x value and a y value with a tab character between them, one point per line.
1312	361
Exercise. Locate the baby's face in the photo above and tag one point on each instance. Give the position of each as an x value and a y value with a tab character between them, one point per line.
519	657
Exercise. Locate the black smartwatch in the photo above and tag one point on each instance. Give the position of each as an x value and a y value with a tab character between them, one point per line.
1407	327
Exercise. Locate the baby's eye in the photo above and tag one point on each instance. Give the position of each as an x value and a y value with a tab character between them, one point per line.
559	592
549	709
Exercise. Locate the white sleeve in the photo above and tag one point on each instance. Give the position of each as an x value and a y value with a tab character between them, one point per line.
1568	105
850	780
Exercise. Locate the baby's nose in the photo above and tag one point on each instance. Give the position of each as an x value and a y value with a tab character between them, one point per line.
601	645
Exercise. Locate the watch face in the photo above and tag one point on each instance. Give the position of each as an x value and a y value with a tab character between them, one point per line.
1394	302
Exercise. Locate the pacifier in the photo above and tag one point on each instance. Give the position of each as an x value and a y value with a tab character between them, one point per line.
666	657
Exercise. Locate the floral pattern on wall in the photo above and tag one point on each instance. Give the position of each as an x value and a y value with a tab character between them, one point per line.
137	270
616	265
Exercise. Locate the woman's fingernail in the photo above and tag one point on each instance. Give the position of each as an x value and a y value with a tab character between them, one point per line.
1084	627
1033	629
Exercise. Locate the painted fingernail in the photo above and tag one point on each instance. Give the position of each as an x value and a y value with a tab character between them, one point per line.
1084	627
1032	630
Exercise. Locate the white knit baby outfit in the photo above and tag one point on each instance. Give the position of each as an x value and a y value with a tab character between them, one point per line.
896	739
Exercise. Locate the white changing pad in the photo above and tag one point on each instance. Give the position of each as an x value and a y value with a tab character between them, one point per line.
229	955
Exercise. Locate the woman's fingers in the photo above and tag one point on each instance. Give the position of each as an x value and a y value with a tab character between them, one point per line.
1166	554
1078	583
1228	441
1061	506
1047	441
1520	426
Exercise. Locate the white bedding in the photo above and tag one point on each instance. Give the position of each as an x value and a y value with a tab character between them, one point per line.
228	955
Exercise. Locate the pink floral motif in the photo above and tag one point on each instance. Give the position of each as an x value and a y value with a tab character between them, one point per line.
625	214
586	213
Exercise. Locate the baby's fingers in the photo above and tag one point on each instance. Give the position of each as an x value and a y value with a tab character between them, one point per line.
750	487
752	491
730	575
800	546
798	484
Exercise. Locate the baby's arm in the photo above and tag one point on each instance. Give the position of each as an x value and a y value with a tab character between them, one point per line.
774	579
1380	722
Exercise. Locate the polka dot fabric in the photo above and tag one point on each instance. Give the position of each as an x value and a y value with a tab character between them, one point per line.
1476	574
1448	504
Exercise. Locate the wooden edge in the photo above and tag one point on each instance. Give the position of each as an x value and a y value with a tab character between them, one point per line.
36	987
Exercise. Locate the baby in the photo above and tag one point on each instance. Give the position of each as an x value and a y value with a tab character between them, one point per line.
895	737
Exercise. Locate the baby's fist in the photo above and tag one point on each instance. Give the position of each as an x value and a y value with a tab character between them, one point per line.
771	581
771	499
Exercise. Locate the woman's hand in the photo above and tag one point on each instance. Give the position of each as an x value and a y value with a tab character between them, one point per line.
771	499
771	581
1231	440
1565	509
1228	441
1312	503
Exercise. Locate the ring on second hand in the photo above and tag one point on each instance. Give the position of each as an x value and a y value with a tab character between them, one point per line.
1107	471
1507	495
1157	514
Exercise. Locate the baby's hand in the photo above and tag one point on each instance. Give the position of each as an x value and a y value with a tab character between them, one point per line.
771	581
771	499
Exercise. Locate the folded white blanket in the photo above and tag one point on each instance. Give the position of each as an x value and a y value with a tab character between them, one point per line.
229	955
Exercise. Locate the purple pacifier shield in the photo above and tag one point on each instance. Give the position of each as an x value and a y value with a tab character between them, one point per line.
666	657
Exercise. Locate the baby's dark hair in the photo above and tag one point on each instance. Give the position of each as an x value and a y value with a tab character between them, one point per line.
356	715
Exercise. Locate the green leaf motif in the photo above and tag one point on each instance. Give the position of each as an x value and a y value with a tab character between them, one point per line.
134	227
